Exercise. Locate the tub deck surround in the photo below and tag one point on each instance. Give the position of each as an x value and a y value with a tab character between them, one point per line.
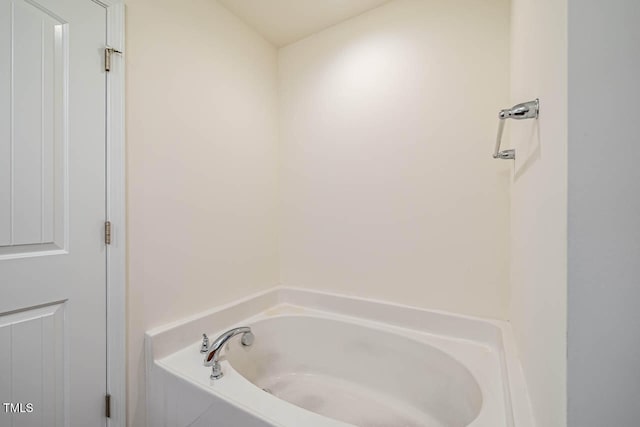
332	360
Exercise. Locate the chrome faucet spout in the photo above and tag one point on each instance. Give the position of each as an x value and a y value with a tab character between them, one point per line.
213	354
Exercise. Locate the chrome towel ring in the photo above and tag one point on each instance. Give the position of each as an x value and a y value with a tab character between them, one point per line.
526	110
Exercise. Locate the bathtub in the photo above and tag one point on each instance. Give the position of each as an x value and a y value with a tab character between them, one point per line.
326	360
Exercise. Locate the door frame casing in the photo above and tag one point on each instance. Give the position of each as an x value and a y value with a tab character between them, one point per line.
116	214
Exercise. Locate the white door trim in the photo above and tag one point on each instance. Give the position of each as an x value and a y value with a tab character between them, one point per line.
116	213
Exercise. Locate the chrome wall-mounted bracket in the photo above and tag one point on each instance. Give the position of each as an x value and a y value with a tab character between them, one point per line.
526	110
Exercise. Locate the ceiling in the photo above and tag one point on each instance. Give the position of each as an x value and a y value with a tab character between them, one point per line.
286	21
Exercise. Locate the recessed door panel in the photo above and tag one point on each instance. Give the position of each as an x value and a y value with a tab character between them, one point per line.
32	366
32	199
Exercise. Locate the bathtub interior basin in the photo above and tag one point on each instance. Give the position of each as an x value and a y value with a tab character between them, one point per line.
355	374
328	360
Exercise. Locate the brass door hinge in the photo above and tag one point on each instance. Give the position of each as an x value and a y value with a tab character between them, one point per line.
108	51
107	405
107	232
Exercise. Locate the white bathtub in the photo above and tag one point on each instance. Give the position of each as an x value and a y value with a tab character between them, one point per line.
329	360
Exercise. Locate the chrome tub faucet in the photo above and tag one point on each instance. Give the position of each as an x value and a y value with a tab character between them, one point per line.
214	351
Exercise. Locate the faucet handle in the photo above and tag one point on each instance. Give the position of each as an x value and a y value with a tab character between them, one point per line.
205	344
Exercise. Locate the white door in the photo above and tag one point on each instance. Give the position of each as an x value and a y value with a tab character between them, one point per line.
52	212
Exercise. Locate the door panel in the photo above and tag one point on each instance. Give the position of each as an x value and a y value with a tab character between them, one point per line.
36	114
52	211
32	346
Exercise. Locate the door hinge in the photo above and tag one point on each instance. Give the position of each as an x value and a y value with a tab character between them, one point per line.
108	51
107	232
107	405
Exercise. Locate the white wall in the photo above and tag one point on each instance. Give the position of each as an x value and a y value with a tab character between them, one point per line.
388	186
202	175
604	213
539	203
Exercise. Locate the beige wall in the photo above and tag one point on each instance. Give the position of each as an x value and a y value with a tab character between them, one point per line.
202	178
539	204
388	188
